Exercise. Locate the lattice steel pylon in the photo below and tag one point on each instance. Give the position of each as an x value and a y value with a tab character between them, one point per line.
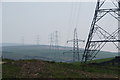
93	46
119	31
75	50
51	41
23	40
38	40
56	41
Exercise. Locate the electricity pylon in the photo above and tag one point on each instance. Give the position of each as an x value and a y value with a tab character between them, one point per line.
75	50
56	40
119	27
51	41
94	45
38	40
23	40
54	46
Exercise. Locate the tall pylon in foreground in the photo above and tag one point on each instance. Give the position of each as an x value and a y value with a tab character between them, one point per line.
119	28
76	50
94	45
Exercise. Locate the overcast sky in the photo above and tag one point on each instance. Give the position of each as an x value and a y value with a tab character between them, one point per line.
30	19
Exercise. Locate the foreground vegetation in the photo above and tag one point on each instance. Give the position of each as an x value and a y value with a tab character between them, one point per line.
46	69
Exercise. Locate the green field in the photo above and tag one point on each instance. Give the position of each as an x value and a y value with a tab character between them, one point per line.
47	69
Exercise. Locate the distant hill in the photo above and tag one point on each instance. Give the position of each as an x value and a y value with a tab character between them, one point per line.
28	45
44	52
9	44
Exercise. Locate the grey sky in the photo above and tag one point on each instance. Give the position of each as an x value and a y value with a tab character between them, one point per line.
29	19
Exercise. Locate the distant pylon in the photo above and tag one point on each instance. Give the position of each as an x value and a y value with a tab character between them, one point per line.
56	40
51	41
38	40
54	46
22	40
75	50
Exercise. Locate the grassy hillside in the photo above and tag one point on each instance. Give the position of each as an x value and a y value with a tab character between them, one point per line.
46	69
44	52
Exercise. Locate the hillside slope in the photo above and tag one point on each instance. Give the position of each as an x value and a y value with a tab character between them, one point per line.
44	52
46	69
